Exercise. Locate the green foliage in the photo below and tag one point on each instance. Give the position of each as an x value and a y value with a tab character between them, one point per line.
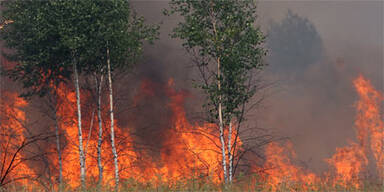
225	31
46	37
115	26
35	43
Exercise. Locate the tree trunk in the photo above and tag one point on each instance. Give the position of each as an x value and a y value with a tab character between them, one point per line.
222	144
112	123
100	139
58	151
80	133
230	155
221	124
220	112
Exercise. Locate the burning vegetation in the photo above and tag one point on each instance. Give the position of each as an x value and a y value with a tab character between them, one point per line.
186	153
191	149
91	135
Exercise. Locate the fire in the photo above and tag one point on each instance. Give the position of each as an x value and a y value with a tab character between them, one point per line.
281	172
189	152
369	120
12	163
349	163
66	110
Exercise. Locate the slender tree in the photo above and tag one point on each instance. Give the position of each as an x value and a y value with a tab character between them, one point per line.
121	45
47	40
227	47
116	43
99	84
54	40
41	58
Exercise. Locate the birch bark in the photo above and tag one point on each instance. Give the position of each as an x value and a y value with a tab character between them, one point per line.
80	133
230	156
221	126
100	136
114	152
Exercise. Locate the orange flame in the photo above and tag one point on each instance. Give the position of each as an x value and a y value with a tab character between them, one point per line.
189	152
370	119
281	172
348	163
13	165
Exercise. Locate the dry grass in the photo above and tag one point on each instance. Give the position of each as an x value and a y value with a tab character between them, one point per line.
245	183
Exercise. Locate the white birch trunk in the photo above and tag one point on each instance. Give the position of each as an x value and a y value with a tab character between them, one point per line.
222	144
230	155
112	123
100	138
80	133
221	125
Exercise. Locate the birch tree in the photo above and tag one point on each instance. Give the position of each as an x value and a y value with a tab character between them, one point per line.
227	49
116	43
99	83
47	42
38	66
57	40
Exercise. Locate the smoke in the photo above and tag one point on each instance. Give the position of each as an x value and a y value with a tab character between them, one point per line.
294	46
148	115
315	50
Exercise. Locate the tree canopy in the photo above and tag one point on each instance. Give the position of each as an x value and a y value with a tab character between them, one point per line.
227	49
226	30
45	37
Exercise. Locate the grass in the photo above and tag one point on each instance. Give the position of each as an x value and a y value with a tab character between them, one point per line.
244	183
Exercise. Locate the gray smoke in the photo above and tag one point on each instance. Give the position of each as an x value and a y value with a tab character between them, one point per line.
329	44
316	50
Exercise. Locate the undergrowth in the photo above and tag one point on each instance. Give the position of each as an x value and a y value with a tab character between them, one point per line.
243	183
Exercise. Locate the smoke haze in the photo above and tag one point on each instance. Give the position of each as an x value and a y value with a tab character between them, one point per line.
316	49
